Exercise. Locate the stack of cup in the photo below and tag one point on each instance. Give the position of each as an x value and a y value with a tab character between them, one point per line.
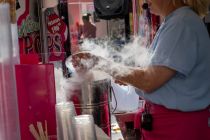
84	127
64	113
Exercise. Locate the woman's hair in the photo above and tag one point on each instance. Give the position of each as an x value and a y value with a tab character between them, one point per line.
201	7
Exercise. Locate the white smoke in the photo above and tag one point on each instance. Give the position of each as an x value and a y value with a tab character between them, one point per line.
112	59
117	57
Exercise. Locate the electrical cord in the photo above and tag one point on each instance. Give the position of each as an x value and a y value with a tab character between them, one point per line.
112	89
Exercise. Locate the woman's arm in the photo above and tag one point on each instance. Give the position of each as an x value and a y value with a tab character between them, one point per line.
148	79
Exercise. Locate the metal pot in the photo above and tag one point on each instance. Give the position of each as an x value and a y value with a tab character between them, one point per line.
93	98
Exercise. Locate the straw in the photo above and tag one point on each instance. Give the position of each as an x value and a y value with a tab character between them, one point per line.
41	134
34	132
9	117
40	129
46	133
12	10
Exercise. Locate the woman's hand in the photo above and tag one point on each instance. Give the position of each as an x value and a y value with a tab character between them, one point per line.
120	83
84	61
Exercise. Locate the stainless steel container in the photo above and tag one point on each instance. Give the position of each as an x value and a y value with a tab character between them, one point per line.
93	98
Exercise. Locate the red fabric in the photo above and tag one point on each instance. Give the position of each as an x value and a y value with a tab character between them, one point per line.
137	119
176	125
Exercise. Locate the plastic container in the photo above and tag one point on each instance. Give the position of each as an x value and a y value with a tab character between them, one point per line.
84	128
65	112
9	120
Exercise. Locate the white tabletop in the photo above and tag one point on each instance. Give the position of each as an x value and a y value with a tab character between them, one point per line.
115	129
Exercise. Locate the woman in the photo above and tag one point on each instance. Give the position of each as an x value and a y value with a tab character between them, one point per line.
176	84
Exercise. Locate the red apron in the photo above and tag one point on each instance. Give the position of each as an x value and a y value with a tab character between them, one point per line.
176	125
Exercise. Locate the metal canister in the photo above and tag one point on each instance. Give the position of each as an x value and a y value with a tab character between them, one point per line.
94	98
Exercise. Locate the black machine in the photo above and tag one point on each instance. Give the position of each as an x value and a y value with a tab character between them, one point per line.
110	9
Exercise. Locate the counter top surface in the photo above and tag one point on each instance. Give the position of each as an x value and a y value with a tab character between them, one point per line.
116	131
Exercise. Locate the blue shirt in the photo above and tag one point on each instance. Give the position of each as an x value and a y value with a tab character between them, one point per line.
182	43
